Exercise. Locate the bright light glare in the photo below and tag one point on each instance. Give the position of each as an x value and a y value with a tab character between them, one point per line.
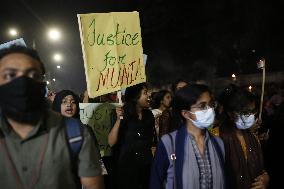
57	57
54	34
54	79
58	67
13	32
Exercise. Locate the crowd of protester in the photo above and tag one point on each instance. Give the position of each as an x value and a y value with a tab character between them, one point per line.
183	137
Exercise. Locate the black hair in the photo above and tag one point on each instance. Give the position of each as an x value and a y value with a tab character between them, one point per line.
22	50
234	99
158	97
174	85
56	105
131	97
185	98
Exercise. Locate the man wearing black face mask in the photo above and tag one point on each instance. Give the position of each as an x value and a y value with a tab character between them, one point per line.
33	147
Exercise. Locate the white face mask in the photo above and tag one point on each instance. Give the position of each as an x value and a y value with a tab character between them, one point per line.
244	122
204	118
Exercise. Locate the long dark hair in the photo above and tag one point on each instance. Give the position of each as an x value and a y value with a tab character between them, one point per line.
241	169
234	99
184	99
132	95
56	105
158	97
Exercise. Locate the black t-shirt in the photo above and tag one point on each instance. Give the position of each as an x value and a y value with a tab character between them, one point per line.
136	137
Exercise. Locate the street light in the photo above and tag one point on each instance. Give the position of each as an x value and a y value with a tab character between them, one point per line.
13	32
234	77
250	87
54	34
57	57
58	67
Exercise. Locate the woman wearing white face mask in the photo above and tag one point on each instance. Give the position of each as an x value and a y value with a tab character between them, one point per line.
244	158
190	157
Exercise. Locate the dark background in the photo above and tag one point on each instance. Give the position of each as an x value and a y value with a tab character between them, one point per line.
200	39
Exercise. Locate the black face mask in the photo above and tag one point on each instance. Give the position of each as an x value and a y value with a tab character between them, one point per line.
23	100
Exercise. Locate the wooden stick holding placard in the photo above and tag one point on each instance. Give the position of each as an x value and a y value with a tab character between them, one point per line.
261	65
120	103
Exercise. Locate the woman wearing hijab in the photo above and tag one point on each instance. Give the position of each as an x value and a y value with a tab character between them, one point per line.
66	102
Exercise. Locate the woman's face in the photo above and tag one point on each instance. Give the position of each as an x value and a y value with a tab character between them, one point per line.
247	111
167	100
68	106
143	101
203	103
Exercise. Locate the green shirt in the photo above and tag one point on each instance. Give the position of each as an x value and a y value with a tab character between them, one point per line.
55	172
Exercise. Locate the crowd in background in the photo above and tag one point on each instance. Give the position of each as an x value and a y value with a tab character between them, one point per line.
185	136
257	137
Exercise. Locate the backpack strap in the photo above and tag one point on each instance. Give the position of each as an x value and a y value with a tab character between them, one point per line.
74	135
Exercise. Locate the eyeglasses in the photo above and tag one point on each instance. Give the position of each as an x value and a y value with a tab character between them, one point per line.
204	106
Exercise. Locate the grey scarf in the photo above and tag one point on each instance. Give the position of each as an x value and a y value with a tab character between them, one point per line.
190	171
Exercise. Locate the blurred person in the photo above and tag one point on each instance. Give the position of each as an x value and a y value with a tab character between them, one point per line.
166	117
34	152
190	157
161	102
273	158
244	159
51	96
178	84
133	136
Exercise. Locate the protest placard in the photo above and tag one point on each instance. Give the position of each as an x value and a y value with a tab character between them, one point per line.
112	51
98	117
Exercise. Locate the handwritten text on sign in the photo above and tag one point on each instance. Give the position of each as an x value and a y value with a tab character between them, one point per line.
112	49
98	117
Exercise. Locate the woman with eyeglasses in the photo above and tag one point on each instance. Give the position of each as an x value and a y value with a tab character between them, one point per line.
190	157
244	159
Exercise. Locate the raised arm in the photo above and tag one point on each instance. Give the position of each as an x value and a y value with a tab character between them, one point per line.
113	135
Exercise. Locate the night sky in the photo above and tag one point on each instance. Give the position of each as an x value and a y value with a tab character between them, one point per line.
199	40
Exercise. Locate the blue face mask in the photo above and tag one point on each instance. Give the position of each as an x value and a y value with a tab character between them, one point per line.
245	122
204	118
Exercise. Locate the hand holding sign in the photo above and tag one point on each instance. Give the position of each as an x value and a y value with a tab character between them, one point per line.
120	103
119	112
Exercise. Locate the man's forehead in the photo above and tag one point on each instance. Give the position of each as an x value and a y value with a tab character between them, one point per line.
19	60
